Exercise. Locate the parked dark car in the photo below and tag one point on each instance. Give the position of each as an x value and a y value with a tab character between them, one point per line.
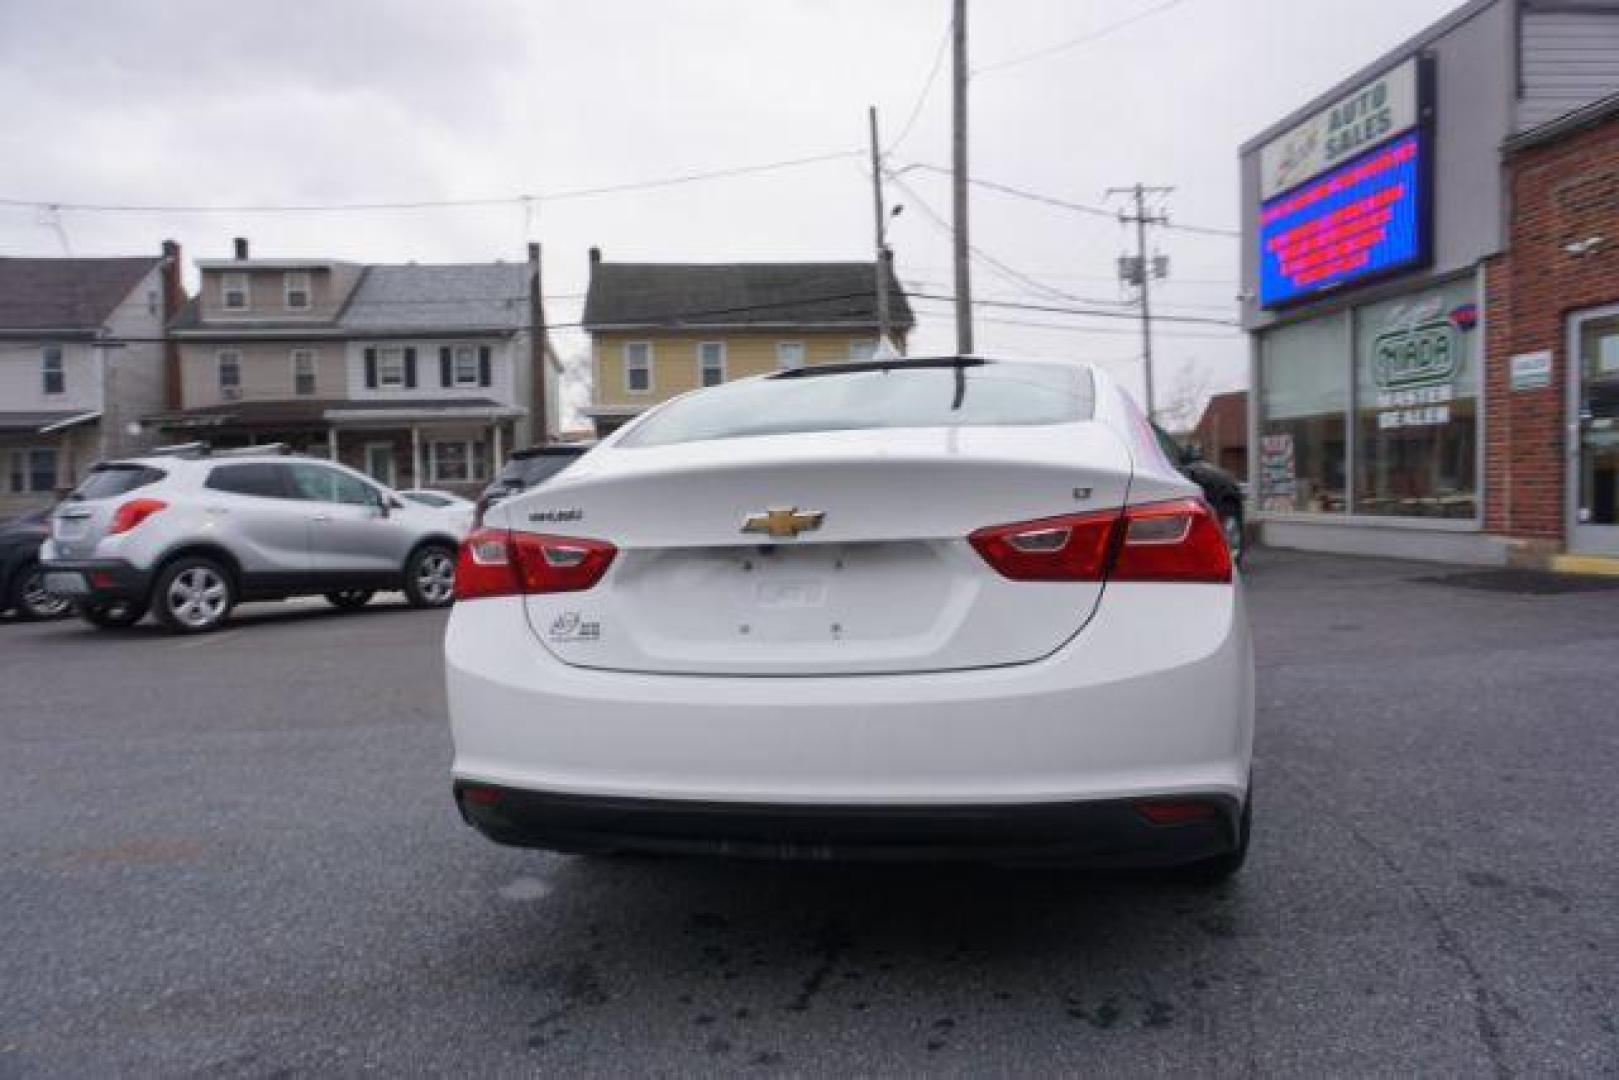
526	469
22	585
1220	488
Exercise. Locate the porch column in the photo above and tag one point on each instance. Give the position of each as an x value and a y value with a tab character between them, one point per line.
416	479
495	461
331	441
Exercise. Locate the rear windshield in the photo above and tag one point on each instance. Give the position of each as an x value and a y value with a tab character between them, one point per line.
109	481
971	395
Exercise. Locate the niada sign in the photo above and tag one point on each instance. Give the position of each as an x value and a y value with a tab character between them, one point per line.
1414	367
1361	119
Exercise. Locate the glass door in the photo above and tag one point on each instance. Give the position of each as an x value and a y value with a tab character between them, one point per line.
379	462
1594	432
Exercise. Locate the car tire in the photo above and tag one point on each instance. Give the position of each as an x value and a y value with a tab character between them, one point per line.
1231	525
30	600
193	595
1221	868
350	599
430	576
111	614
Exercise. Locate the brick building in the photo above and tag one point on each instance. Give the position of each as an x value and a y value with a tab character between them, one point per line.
1426	247
1552	345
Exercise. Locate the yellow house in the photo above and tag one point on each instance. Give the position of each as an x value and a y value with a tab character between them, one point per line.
661	329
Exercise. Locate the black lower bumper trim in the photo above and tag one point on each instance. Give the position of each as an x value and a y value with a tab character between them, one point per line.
1099	834
105	580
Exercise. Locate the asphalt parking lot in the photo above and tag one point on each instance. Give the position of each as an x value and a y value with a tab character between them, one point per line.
236	855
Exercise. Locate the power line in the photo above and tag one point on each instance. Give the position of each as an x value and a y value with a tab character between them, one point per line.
1104	314
1066	204
431	204
927	87
1008	272
1190	335
1071	43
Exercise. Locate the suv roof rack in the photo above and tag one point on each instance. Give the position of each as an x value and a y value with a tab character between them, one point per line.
280	449
203	449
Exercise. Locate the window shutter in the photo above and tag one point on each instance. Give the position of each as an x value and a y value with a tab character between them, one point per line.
446	374
410	369
485	375
370	369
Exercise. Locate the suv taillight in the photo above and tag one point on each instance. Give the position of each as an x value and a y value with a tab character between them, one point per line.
132	513
1179	540
499	562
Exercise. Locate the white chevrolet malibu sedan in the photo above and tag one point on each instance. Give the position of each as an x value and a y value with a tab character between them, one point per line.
912	610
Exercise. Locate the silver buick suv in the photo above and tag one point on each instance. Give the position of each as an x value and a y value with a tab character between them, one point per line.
186	534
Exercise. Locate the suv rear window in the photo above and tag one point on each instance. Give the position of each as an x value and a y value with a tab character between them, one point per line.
843	399
109	481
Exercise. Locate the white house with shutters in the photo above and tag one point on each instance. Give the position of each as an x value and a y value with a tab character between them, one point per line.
418	375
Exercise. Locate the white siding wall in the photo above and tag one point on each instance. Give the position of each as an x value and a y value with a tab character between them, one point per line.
1570	58
22	384
428	385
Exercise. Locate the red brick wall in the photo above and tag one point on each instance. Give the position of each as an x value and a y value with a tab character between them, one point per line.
1562	193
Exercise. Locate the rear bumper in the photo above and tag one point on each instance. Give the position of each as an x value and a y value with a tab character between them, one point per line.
1154	698
1111	834
96	580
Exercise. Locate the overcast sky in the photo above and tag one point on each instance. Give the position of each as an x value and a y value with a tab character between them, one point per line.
219	104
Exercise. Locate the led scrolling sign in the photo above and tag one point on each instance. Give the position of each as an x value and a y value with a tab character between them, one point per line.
1341	222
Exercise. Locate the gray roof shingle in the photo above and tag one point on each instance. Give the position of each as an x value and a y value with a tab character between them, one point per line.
444	299
739	294
66	294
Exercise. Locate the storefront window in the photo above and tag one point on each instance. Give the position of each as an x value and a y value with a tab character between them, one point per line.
1416	401
1304	399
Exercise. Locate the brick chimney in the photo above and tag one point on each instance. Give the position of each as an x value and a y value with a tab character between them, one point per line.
537	338
241	247
595	255
174	298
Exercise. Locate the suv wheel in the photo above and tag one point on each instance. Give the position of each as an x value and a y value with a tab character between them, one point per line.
112	614
193	595
430	576
350	599
30	599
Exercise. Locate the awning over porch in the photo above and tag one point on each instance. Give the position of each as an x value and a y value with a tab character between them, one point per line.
44	423
312	414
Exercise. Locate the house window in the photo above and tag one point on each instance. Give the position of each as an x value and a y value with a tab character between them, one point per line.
233	292
458	461
54	374
862	350
711	363
151	302
391	366
466	365
295	291
303	372
638	367
789	355
230	375
32	470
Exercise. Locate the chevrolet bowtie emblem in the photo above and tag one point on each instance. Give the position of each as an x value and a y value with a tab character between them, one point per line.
784	523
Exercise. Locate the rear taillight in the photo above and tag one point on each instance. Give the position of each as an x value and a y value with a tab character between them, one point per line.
1071	548
1179	540
132	513
499	562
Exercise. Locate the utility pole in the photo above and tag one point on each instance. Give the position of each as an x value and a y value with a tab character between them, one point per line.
1140	271
881	262
964	287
